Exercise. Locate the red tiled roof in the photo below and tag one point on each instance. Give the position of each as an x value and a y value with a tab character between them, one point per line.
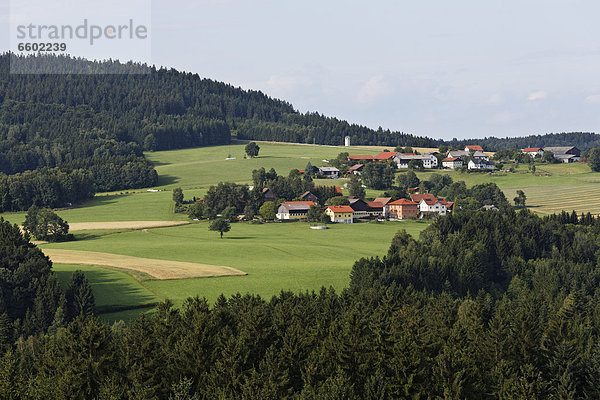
355	167
300	171
310	203
450	159
403	202
375	204
418	197
265	189
385	155
531	149
364	157
338	209
475	147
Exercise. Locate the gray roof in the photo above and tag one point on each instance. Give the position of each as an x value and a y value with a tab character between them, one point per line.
295	206
558	149
401	156
482	161
562	156
329	169
458	153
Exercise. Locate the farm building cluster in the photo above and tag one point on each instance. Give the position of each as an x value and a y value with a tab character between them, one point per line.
418	206
473	157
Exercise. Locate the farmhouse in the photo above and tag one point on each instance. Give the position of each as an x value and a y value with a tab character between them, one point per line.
428	204
473	147
452	162
385	156
360	209
341	214
565	154
329	172
402	209
533	151
361	158
294	209
378	206
308	196
463	153
428	160
268	195
356	169
481	163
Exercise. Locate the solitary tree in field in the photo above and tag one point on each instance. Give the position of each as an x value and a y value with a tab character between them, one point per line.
520	199
220	225
44	224
252	149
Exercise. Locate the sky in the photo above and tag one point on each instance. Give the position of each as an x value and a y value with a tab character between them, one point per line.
441	69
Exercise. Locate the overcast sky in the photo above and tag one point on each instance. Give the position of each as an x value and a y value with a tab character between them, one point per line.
436	68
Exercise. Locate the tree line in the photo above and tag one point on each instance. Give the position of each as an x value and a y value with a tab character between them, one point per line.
486	305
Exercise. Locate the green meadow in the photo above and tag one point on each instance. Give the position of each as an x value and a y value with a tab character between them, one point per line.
276	256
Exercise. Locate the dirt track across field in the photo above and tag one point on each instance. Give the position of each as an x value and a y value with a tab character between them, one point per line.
159	269
82	226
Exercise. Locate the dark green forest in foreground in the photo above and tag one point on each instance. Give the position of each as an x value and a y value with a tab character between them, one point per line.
485	305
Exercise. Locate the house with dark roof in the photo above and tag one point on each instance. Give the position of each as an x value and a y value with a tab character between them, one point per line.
481	164
565	154
329	172
452	162
360	209
294	209
356	169
308	196
268	195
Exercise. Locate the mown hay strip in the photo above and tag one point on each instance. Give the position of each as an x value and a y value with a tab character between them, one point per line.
82	226
159	269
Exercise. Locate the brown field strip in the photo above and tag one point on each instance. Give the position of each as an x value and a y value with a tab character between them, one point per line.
83	226
159	269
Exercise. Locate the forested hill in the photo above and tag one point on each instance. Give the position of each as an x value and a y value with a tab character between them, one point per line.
166	109
582	140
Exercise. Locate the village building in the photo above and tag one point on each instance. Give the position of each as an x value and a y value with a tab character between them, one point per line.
565	154
473	147
386	156
329	172
294	209
402	209
360	208
464	154
452	162
428	160
378	206
356	169
428	203
268	195
308	196
361	158
481	164
340	214
533	151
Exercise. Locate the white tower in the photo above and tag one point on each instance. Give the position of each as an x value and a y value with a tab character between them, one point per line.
347	141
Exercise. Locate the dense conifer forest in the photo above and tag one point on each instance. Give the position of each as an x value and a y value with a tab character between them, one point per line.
486	305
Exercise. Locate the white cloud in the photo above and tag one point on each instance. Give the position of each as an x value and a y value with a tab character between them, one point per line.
538	95
373	89
594	98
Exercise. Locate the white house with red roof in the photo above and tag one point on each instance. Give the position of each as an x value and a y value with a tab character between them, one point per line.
473	147
533	151
428	203
386	156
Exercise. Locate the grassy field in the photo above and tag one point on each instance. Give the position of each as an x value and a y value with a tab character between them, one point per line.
118	295
276	256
